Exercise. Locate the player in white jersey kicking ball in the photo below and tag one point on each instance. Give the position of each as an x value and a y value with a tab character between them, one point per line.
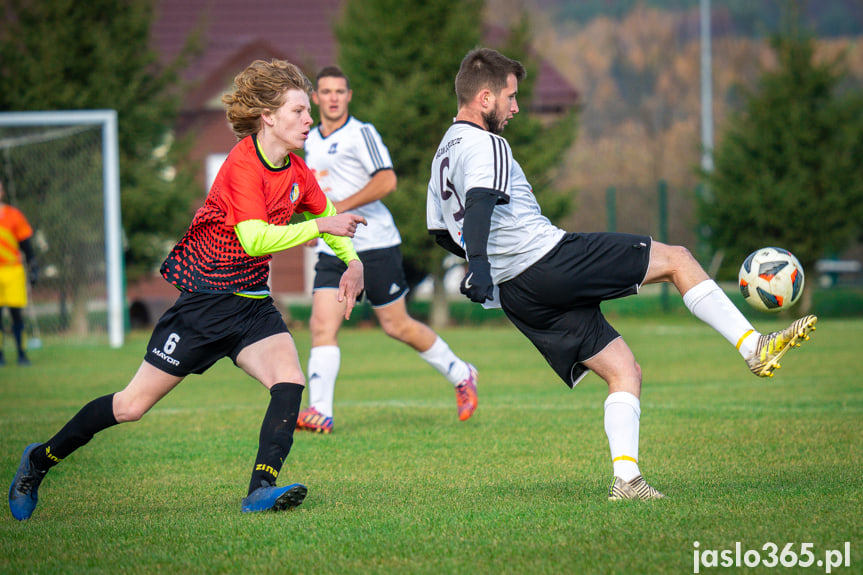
550	283
353	167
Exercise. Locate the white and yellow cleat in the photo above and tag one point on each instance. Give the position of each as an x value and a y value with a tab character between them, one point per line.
636	488
772	347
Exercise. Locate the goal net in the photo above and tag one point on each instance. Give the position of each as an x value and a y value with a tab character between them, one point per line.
61	170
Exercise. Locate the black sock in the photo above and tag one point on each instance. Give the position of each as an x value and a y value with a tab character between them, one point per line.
277	433
91	419
18	329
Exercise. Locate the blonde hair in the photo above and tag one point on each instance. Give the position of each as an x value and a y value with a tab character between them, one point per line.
258	88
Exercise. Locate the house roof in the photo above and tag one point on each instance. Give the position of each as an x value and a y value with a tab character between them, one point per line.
233	32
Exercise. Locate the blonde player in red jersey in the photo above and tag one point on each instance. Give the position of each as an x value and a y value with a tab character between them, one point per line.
221	267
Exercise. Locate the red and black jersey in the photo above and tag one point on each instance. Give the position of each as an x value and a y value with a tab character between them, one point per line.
209	257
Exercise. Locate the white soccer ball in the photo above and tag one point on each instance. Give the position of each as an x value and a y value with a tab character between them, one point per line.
771	279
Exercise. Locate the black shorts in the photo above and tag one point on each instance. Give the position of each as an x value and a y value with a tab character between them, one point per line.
383	274
555	302
202	328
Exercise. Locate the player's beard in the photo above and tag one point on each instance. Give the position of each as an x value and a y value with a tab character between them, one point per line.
494	122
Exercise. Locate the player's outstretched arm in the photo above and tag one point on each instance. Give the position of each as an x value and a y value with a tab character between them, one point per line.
260	238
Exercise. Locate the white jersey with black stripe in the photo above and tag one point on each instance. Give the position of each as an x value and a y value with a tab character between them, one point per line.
343	163
468	158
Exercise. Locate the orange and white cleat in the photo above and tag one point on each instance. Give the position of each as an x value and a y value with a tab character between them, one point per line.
313	420
465	394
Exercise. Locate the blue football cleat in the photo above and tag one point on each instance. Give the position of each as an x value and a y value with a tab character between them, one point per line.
24	491
270	497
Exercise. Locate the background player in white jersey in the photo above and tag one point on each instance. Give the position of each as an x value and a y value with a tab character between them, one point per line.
354	169
550	283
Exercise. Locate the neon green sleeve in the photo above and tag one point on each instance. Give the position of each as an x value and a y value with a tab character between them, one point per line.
259	238
342	246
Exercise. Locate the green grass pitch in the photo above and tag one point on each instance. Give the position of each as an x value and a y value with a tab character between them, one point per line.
403	487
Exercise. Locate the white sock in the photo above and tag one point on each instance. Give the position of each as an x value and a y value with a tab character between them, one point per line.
441	357
709	303
622	411
324	363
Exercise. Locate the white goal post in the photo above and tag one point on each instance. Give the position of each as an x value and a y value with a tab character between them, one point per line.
114	265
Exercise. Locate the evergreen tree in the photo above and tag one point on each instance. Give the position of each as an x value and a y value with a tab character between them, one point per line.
402	57
789	169
69	55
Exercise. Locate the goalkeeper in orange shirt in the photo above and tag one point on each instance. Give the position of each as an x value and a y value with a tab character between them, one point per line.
15	234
